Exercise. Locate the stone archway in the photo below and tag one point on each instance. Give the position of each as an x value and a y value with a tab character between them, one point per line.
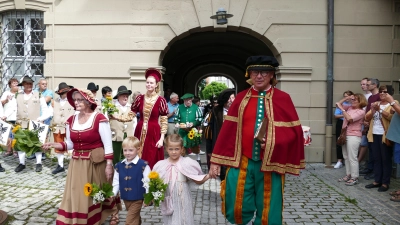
190	58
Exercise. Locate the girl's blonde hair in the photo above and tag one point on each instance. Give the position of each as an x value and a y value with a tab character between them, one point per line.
131	141
173	138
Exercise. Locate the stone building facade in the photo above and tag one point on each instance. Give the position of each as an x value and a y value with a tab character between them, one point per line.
112	42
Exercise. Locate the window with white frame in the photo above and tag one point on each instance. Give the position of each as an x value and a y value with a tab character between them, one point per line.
22	35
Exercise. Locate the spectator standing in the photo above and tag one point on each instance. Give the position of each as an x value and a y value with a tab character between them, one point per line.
364	140
339	124
9	102
373	87
353	120
379	116
393	134
172	108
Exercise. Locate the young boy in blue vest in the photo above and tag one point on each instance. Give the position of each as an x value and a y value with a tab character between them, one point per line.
128	180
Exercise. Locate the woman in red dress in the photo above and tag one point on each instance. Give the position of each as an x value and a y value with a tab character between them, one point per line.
153	123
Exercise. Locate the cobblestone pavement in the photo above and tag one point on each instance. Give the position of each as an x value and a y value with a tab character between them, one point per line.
315	197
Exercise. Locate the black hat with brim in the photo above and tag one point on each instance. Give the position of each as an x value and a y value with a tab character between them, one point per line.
224	96
92	87
26	79
261	63
122	90
63	88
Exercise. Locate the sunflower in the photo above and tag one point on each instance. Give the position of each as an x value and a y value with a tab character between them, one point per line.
191	136
16	128
14	141
109	98
191	132
153	175
87	189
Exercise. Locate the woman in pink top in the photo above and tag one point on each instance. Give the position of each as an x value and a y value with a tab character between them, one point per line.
353	118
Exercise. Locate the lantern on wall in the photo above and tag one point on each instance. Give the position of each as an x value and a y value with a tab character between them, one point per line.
221	16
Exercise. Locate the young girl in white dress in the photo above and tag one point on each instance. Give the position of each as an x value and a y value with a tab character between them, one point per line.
181	174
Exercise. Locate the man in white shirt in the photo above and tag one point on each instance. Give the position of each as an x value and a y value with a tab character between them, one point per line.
30	106
9	103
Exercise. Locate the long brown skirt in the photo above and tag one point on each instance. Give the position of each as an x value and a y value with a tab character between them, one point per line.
76	207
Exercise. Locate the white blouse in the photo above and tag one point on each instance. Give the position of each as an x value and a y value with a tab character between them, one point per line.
104	130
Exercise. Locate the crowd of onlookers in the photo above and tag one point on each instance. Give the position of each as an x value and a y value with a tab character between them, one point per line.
371	124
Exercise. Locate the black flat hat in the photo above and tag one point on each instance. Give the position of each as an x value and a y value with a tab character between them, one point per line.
26	79
63	88
261	62
122	90
92	87
224	96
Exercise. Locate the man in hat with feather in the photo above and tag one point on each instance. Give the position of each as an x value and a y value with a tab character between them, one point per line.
260	141
61	113
30	106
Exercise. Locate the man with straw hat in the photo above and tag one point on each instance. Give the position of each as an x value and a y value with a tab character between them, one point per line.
30	106
62	111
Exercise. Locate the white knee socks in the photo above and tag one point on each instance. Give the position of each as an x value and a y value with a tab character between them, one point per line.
60	157
38	157
21	156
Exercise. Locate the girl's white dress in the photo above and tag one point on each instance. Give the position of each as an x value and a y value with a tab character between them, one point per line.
180	178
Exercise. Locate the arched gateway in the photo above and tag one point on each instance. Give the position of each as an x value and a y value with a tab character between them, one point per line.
198	55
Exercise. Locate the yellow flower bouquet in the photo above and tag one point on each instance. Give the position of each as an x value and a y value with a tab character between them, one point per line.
192	139
156	187
98	194
108	106
26	140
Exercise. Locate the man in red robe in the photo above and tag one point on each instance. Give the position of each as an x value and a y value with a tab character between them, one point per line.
256	169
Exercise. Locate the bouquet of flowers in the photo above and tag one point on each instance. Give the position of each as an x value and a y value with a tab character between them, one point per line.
108	106
98	194
156	188
26	140
193	138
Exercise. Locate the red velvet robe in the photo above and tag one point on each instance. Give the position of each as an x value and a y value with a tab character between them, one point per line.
284	150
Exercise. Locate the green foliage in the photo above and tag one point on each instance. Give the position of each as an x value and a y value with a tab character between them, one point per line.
156	193
201	87
213	90
109	107
27	141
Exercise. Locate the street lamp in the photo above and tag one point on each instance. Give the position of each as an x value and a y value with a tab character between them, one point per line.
221	16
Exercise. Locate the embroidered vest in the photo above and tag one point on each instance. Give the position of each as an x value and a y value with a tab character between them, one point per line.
130	180
27	109
119	128
60	115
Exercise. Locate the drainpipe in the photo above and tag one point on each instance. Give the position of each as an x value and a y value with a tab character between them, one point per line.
329	82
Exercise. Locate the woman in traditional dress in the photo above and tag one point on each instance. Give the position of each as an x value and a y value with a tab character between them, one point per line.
153	113
89	134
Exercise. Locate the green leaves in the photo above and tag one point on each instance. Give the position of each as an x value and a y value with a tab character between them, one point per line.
27	141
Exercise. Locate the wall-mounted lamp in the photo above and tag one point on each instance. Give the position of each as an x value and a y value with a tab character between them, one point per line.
221	16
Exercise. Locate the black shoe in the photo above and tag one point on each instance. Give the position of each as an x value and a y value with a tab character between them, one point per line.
365	172
19	168
58	170
33	156
383	188
38	167
373	185
370	176
2	169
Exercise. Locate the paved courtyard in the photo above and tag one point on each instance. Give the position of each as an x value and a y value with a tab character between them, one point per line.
315	197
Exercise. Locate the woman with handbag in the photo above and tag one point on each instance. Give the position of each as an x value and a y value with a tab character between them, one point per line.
353	119
379	116
339	123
